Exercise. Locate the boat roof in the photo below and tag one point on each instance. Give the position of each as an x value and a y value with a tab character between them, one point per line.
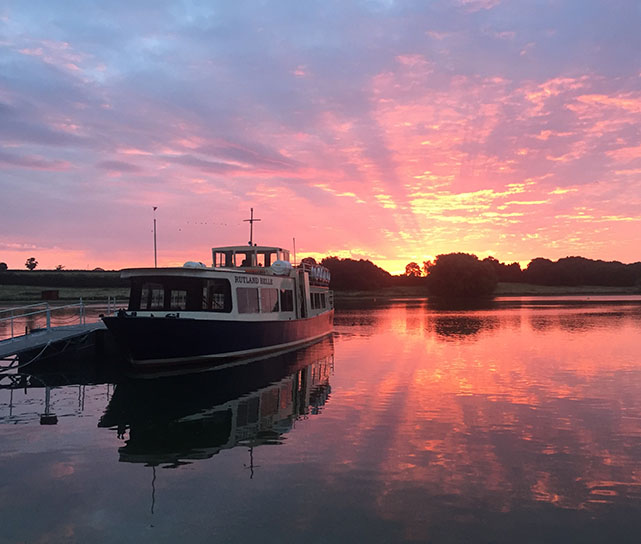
247	247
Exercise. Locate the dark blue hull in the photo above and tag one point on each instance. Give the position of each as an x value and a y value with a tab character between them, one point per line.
162	340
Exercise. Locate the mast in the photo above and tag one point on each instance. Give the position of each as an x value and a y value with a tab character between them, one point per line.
251	221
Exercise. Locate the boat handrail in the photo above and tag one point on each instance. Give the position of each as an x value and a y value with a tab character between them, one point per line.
317	272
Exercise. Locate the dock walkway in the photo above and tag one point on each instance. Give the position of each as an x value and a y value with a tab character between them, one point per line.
48	335
39	339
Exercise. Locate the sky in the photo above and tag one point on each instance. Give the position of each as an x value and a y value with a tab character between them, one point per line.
378	129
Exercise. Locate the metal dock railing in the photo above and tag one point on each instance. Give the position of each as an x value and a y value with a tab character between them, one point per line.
56	324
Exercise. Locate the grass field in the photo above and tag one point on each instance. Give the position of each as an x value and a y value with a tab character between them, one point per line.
28	293
527	289
502	289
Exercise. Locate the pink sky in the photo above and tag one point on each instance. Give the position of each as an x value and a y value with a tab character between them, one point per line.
378	130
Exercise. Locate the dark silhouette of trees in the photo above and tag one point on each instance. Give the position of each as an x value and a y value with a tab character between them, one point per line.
352	274
413	269
571	271
31	263
461	275
464	275
3	267
505	272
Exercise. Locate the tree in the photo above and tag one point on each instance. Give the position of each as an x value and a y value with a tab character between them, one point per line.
60	267
413	270
3	267
31	263
350	274
461	275
505	272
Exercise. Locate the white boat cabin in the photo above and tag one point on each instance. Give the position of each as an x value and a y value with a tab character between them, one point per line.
252	283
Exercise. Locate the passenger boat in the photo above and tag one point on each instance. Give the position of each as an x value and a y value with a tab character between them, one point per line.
251	302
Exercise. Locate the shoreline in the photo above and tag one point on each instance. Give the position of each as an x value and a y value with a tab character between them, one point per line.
502	290
10	294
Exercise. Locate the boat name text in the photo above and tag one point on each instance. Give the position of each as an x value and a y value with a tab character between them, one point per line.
253	279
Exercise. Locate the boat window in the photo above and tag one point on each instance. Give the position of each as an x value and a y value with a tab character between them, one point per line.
318	300
178	300
247	300
268	300
243	258
286	300
152	296
269	258
219	299
170	293
223	259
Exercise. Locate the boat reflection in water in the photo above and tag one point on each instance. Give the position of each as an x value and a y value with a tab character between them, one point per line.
175	419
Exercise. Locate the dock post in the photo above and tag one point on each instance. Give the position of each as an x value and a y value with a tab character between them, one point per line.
48	418
80	311
48	316
11	323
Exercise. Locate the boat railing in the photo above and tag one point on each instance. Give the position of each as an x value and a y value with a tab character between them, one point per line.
318	274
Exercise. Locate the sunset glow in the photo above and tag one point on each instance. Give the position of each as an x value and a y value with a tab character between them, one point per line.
381	130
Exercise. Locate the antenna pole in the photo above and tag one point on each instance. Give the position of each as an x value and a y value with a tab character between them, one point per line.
155	252
294	240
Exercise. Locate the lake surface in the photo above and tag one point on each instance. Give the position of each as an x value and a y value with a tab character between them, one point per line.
517	422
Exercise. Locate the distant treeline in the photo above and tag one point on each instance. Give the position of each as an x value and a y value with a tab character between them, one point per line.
350	274
581	271
62	278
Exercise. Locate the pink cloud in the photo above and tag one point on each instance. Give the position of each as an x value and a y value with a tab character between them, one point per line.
33	162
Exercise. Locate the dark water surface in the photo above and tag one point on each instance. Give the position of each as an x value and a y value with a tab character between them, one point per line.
519	422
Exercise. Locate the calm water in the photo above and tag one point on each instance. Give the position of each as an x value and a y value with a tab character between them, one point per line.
515	423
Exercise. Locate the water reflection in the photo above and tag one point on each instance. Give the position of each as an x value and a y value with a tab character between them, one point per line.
520	423
178	419
540	413
458	327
